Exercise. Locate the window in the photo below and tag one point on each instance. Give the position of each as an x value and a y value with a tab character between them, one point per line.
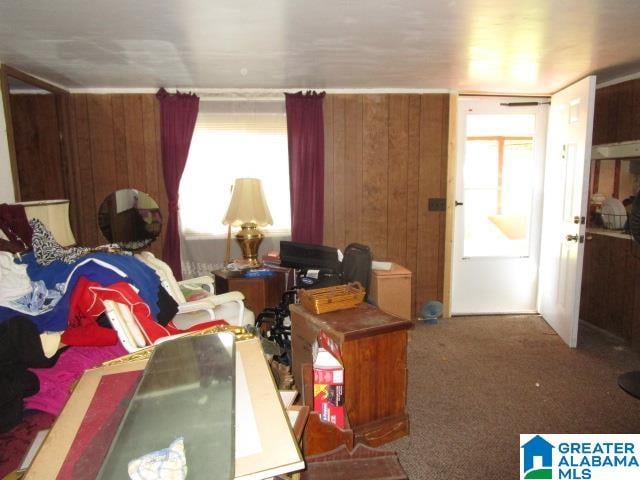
234	139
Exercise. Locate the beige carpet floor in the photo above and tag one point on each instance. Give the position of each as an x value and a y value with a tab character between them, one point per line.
476	383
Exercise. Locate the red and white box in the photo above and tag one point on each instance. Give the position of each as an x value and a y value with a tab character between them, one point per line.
328	382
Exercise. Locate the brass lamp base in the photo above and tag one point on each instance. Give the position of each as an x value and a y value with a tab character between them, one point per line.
249	239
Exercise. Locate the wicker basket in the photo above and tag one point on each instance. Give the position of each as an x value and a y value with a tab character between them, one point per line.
329	299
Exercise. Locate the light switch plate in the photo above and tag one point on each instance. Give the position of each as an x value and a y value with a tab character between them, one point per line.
437	204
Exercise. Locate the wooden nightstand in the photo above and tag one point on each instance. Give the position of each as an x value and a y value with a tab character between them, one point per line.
259	293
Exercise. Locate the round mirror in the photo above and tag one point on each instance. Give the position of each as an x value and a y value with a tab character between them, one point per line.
130	218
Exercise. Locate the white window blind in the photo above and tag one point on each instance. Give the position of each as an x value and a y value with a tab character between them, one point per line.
234	139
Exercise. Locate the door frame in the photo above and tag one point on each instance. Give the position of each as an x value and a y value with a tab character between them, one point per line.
450	220
452	170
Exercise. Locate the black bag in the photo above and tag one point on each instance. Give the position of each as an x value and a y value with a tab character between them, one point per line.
356	265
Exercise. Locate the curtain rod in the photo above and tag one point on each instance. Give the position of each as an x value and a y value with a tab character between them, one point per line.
489	95
208	97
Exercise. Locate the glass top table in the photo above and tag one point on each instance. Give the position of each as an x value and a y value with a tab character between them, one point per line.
187	391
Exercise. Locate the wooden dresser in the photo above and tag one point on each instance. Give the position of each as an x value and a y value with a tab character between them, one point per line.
373	345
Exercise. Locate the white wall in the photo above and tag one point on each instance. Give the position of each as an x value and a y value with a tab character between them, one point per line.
7	194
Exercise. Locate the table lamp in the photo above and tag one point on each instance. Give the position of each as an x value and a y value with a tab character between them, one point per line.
248	208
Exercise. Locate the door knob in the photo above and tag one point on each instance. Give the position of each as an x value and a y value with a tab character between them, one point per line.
575	238
457	203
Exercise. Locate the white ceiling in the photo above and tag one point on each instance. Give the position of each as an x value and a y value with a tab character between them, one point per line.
524	46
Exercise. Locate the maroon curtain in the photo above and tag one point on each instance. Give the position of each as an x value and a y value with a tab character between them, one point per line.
305	130
178	115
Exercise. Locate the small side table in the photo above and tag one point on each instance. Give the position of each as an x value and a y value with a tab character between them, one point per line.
259	293
373	346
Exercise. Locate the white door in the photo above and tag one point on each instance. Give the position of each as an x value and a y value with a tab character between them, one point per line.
565	207
499	191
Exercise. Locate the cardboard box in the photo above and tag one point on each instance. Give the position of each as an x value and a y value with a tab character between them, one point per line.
390	290
328	383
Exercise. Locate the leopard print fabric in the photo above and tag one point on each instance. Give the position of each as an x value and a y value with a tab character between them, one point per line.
47	250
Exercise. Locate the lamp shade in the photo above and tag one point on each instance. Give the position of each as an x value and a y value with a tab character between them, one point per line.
55	216
247	204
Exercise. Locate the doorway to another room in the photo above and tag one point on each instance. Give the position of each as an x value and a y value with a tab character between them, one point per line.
498	214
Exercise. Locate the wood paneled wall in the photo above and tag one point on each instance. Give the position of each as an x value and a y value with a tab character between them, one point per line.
385	157
115	144
36	140
617	113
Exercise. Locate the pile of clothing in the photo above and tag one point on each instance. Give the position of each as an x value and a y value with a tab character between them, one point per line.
51	297
21	348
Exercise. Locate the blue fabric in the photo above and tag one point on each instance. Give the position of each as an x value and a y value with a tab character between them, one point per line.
137	273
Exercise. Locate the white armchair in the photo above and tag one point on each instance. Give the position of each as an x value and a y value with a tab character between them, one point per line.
227	306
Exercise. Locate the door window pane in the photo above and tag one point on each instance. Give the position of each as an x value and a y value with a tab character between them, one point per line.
498	193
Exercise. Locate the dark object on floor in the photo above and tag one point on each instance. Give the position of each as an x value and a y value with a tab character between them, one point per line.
275	326
15	443
431	311
361	463
630	383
